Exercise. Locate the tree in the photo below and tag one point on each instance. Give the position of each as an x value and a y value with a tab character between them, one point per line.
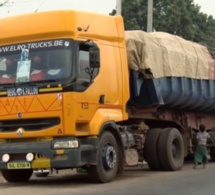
180	17
3	3
133	14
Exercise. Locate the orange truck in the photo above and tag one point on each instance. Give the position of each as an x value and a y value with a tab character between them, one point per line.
69	99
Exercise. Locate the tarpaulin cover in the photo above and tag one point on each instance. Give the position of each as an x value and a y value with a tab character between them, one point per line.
168	55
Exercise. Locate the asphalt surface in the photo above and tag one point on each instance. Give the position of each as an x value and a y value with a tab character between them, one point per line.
136	181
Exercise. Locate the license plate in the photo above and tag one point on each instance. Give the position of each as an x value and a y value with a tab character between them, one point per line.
19	165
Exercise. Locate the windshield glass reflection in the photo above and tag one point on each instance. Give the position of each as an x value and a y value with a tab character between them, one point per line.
44	63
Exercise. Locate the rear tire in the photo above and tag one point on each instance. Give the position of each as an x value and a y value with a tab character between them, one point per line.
16	176
212	148
212	153
190	157
107	160
151	149
171	149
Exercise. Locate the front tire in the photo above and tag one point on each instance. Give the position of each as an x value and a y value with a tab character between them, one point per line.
17	175
171	149
107	160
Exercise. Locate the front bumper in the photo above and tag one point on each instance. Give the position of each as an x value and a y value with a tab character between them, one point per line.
47	157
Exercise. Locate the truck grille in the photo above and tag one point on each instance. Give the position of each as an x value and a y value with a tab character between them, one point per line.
28	124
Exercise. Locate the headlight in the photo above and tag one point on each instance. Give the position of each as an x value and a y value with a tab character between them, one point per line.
5	157
29	157
65	144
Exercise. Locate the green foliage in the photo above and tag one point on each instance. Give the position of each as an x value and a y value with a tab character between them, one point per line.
180	17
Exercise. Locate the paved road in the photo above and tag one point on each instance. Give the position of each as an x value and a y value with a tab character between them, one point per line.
136	181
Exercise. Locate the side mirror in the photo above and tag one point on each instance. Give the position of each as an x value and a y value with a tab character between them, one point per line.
94	57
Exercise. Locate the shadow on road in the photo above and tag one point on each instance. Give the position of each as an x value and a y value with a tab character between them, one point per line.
69	177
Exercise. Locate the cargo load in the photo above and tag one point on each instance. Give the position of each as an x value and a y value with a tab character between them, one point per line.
167	70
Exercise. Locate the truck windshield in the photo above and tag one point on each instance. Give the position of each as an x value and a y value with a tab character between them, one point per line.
36	61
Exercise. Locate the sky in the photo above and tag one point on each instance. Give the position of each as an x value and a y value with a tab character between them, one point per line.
207	6
26	6
99	6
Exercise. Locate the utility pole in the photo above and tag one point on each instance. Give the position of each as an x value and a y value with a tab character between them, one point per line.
118	7
150	16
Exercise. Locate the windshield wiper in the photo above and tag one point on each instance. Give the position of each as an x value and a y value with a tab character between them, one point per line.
35	82
6	85
30	83
84	82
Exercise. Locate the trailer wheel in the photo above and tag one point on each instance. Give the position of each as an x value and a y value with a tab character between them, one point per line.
190	157
212	153
107	160
15	176
171	149
151	149
212	148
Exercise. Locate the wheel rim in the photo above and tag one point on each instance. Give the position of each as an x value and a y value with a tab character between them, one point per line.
108	157
174	150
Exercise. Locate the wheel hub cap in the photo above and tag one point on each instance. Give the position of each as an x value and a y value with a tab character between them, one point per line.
109	157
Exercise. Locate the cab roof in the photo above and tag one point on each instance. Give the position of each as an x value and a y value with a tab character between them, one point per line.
60	24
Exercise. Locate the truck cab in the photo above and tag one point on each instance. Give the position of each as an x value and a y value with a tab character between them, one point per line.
61	92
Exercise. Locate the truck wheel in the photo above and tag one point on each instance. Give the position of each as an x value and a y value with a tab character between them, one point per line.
151	149
107	160
171	149
190	157
194	139
212	148
20	175
212	153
